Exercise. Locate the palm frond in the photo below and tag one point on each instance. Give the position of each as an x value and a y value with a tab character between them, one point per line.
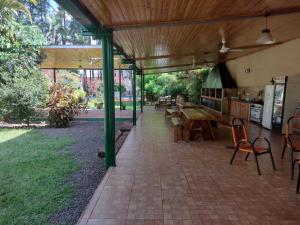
16	6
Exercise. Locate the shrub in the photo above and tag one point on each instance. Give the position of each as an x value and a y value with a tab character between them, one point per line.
21	96
22	85
64	103
100	93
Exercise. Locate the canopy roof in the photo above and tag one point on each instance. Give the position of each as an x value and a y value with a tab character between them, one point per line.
168	35
74	57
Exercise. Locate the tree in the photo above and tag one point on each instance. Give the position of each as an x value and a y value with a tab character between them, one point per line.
68	78
187	83
20	97
193	83
120	88
7	7
22	85
59	27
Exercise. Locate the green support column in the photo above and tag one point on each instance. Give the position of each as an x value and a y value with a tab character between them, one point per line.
134	95
109	102
120	93
142	92
143	88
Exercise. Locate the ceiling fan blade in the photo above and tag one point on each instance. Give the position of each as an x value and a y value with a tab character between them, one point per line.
224	49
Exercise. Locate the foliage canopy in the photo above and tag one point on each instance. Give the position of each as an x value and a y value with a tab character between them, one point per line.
186	83
22	85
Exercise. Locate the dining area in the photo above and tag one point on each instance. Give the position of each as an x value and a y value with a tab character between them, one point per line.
192	122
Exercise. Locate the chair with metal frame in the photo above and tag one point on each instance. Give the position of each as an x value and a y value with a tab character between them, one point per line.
243	144
292	140
297	160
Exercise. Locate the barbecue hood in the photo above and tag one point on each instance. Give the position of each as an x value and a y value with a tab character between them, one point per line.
219	77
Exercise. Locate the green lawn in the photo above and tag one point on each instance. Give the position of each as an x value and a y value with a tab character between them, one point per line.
33	169
92	105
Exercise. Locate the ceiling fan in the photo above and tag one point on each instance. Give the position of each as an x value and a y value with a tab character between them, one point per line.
224	49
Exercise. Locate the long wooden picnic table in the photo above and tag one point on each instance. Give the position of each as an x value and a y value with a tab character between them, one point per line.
184	105
195	118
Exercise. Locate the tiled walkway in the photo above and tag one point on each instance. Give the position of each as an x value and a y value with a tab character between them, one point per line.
161	182
99	113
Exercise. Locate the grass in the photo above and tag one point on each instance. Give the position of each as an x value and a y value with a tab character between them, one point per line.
33	172
92	104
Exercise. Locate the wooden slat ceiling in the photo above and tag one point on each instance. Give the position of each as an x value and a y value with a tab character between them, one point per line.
75	57
162	34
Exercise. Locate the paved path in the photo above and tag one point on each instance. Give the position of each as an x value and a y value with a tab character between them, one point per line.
157	181
99	113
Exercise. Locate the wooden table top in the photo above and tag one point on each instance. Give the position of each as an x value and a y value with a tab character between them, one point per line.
197	114
187	105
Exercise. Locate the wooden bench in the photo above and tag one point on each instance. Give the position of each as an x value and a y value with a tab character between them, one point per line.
177	124
171	112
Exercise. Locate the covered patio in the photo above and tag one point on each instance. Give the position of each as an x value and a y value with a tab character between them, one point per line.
153	180
157	181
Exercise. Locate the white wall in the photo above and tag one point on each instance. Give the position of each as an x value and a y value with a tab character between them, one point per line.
292	98
281	60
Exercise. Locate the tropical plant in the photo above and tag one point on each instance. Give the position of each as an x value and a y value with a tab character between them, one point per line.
64	103
8	7
68	78
184	83
58	26
20	97
23	86
120	88
100	93
193	83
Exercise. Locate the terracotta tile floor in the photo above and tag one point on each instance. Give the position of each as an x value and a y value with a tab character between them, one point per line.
99	113
160	182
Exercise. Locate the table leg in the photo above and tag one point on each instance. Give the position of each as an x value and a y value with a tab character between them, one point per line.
211	131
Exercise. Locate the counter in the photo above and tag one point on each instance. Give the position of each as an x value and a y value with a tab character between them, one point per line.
240	109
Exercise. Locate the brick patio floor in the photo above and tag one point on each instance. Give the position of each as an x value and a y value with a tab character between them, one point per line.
157	181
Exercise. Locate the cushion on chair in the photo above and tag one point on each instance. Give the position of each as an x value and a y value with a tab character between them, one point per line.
295	142
246	147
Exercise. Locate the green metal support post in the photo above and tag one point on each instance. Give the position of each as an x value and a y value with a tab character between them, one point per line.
120	92
109	102
142	92
134	95
143	89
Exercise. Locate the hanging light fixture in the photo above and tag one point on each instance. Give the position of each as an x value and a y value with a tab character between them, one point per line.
265	38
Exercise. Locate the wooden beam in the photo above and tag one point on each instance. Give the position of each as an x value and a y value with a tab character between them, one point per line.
175	55
180	65
226	18
172	71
